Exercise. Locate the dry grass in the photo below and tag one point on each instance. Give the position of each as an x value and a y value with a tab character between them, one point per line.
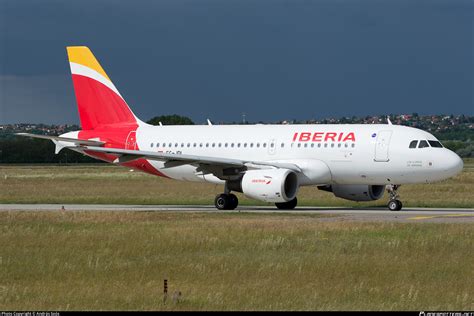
117	185
117	261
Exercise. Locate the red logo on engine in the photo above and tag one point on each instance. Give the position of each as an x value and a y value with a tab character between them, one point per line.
263	181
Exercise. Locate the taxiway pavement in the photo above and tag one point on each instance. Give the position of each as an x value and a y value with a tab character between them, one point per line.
437	215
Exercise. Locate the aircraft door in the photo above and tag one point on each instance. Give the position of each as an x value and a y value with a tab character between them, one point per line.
382	145
131	142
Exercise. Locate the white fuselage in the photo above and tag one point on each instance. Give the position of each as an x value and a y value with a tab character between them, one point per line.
353	154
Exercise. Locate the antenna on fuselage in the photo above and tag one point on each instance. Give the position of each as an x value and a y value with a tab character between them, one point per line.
388	120
209	122
160	123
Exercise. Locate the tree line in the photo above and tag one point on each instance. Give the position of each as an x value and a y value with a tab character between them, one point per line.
18	149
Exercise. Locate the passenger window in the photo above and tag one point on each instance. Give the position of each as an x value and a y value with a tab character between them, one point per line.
299	145
413	144
282	145
189	145
339	145
213	144
332	145
225	145
194	145
245	145
435	144
423	144
305	145
264	145
312	145
151	145
164	145
251	144
319	145
353	145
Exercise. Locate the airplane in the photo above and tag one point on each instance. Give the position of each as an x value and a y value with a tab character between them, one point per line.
269	163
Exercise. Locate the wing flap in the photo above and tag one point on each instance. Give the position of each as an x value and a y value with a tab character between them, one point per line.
180	159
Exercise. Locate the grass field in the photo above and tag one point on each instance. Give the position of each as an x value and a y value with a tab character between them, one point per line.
117	261
109	184
234	261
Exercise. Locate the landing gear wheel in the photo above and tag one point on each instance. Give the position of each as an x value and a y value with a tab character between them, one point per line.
234	201
287	205
395	205
222	202
226	201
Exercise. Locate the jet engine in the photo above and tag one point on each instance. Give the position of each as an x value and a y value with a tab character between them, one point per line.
356	192
269	185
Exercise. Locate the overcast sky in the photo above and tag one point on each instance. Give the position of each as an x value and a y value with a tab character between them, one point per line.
270	59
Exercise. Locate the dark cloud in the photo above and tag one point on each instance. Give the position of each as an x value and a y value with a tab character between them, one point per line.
270	59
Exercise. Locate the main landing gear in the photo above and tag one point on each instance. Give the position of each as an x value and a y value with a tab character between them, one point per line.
229	201
226	201
394	204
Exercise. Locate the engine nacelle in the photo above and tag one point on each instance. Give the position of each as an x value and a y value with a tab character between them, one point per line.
356	192
270	185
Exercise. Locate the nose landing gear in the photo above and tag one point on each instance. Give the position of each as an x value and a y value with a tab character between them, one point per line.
394	204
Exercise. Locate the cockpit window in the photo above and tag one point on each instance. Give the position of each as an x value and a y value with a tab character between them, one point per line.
423	144
413	143
435	144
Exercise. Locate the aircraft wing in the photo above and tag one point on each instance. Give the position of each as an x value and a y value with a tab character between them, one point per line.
172	160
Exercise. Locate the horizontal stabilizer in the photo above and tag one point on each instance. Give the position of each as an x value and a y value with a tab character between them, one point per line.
75	141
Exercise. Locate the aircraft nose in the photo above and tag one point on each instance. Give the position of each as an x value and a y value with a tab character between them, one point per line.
452	163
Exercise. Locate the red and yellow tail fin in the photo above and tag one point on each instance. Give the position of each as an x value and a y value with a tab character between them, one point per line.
98	100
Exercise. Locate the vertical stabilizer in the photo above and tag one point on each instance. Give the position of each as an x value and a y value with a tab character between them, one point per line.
98	100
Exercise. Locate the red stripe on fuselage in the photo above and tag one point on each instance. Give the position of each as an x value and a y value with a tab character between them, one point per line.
116	137
143	165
